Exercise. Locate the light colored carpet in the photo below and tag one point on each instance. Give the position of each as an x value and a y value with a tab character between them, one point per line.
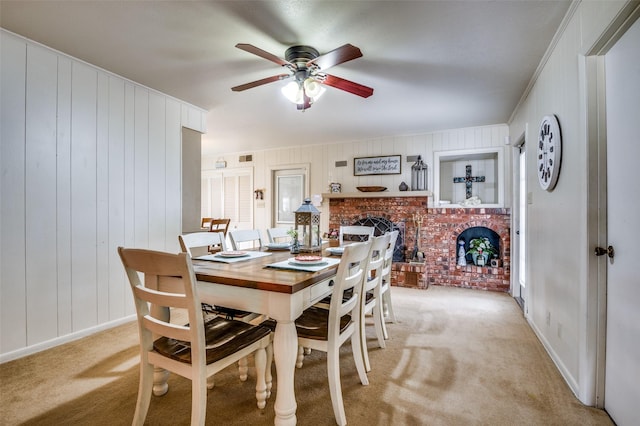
455	357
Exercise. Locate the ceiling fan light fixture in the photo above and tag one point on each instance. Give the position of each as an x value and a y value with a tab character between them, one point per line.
313	89
295	91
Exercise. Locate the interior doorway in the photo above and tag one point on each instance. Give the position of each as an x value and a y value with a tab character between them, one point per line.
519	218
290	186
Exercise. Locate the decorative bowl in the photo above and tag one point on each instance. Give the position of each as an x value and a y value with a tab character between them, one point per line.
371	188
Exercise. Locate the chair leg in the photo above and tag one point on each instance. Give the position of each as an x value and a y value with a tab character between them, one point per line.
198	399
300	358
260	358
335	388
243	369
378	323
390	315
268	376
364	350
145	388
358	358
210	382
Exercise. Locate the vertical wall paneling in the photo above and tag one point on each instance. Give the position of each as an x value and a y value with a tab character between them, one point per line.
63	196
129	164
141	167
40	189
13	312
116	190
173	166
129	180
83	197
88	162
102	196
157	173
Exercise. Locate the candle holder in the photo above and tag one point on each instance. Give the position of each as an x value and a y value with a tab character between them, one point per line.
307	219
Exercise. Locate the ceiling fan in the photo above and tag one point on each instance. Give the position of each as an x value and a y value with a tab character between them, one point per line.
307	67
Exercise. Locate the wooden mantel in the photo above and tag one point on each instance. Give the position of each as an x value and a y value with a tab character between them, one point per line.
382	194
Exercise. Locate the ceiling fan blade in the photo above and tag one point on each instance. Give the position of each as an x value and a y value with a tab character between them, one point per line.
346	85
337	56
257	83
263	54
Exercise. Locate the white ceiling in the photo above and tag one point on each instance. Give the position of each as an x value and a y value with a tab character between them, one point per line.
434	65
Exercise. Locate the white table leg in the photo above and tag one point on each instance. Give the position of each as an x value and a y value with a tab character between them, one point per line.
285	349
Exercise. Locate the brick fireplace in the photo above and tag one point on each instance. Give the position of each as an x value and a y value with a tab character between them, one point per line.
438	238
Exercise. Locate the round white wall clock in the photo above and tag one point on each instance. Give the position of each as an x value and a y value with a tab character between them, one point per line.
549	152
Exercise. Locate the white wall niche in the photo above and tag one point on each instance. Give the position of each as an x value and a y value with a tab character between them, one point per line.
487	162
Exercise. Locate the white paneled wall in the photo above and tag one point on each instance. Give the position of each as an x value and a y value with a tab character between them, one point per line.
89	161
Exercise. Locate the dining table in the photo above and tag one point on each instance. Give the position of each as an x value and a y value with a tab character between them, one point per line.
270	283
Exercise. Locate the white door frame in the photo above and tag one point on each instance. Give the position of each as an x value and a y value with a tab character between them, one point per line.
516	288
305	167
594	297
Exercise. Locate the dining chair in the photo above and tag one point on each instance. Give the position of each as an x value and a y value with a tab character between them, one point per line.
350	233
219	225
326	330
278	235
199	242
196	350
239	238
386	310
205	222
370	297
202	243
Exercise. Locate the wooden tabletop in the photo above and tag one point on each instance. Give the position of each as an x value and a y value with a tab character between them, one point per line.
252	273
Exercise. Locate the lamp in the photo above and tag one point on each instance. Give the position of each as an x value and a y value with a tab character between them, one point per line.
296	91
307	219
419	175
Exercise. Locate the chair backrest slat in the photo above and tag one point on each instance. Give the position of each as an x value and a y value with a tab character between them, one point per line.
275	235
219	225
238	236
350	233
162	328
202	241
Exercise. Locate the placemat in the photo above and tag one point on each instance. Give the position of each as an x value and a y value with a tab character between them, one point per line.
307	268
218	258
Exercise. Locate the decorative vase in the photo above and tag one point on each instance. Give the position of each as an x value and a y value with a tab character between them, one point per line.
480	259
462	255
295	246
403	187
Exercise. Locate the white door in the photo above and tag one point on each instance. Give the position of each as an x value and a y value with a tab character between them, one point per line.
622	374
229	194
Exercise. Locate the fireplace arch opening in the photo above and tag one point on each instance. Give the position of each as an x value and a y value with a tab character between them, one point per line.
485	238
383	225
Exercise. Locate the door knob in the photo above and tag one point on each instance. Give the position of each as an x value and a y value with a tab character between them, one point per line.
600	251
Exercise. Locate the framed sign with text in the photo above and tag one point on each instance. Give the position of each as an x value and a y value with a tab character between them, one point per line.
383	165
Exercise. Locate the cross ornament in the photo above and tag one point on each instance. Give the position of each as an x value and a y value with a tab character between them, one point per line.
468	180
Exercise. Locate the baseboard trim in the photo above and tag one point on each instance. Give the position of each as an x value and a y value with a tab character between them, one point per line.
564	372
39	347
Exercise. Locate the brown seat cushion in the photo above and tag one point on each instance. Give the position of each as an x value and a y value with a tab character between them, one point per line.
223	338
314	323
